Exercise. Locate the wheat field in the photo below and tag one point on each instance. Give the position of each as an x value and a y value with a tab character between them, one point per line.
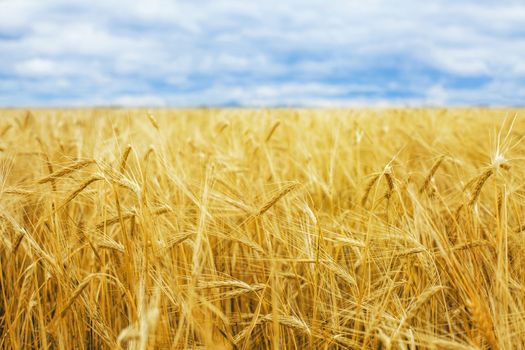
262	229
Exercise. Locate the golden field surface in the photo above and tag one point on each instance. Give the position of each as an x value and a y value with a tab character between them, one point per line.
262	229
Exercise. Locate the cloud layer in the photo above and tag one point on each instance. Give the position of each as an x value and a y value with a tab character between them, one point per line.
273	53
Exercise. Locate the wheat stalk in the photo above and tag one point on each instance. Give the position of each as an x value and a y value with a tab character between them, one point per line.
66	170
431	174
479	185
287	189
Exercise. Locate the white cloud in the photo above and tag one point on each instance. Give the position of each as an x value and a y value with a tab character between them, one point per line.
436	96
36	67
162	52
139	101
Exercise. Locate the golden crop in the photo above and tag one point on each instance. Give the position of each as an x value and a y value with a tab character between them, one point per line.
254	229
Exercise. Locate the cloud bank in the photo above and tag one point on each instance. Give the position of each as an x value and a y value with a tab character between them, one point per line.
271	53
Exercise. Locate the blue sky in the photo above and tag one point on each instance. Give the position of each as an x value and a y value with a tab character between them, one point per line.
267	53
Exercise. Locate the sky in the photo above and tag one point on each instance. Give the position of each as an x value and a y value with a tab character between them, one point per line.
311	53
